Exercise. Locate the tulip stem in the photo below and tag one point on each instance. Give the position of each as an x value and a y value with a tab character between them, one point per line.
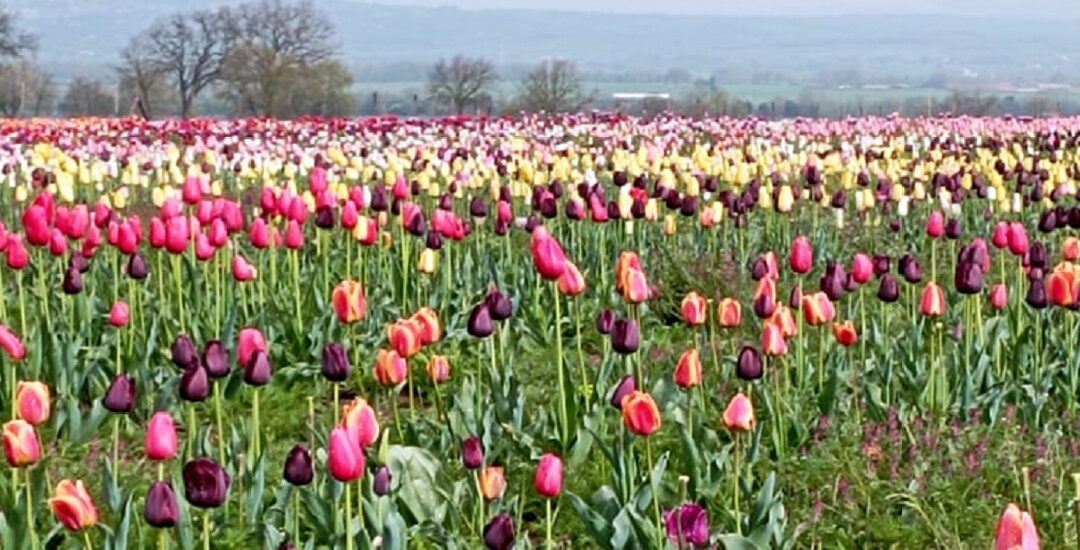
115	447
564	428
655	494
193	432
86	540
737	457
206	530
30	511
295	260
478	523
162	541
296	515
179	290
800	346
581	355
548	544
255	425
220	426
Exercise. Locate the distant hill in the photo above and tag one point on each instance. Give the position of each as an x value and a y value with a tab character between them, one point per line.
84	36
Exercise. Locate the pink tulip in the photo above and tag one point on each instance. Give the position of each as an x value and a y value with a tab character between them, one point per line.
935	225
161	437
346	461
802	255
549	476
1016	531
739	415
242	270
862	268
120	314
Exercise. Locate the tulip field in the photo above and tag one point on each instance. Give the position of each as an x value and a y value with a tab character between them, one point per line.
582	331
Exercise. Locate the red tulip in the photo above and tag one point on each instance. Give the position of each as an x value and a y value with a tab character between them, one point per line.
349	301
21	444
695	310
57	243
360	422
933	301
739	414
36	226
1063	287
404	337
428	325
729	311
251	341
548	255
817	309
783	319
1018	239
72	505
177	235
549	476
161	437
845	333
346	460
1001	235
935	225
158	233
999	296
11	344
862	268
640	413
32	402
1016	531
390	368
242	270
688	369
17	255
802	255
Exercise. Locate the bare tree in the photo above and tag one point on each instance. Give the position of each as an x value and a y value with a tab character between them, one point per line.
458	83
190	49
87	97
14	42
142	78
553	86
276	44
25	89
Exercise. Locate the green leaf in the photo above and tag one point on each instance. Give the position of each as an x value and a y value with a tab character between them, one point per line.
736	542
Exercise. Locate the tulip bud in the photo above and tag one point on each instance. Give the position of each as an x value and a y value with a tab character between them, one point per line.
120	314
493	482
250	342
889	289
641	414
1016	529
605	321
968	278
881	265
360	422
499	305
1036	296
184	353
120	397
73	282
749	366
499	533
802	256
73	507
298	466
161	440
32	402
349	301
206	483
258	371
625	337
162	510
933	301
194	384
549	476
438	369
382	481
480	323
472	453
688	369
739	415
626	386
21	444
335	363
999	297
910	269
935	225
845	333
215	359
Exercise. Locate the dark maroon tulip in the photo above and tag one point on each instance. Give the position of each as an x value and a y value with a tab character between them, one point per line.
206	483
895	226
1048	221
335	362
183	351
499	305
478	207
258	370
953	229
1037	257
480	324
298	466
137	268
626	386
194	383
215	359
839	200
888	289
764	306
619	178
625	337
502	227
79	262
759	270
910	269
433	240
162	510
382	481
749	366
605	321
73	281
499	533
575	210
968	278
1036	296
120	397
850	284
795	298
472	453
379	202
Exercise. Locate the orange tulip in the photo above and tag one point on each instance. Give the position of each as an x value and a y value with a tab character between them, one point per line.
772	341
571	282
817	309
730	313
688	369
493	482
349	301
32	402
430	329
845	333
390	368
640	413
739	415
1063	286
1070	249
404	337
933	300
627	261
695	310
21	444
782	318
72	505
360	422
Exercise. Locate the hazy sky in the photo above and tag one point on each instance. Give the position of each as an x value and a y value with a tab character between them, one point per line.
1007	8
